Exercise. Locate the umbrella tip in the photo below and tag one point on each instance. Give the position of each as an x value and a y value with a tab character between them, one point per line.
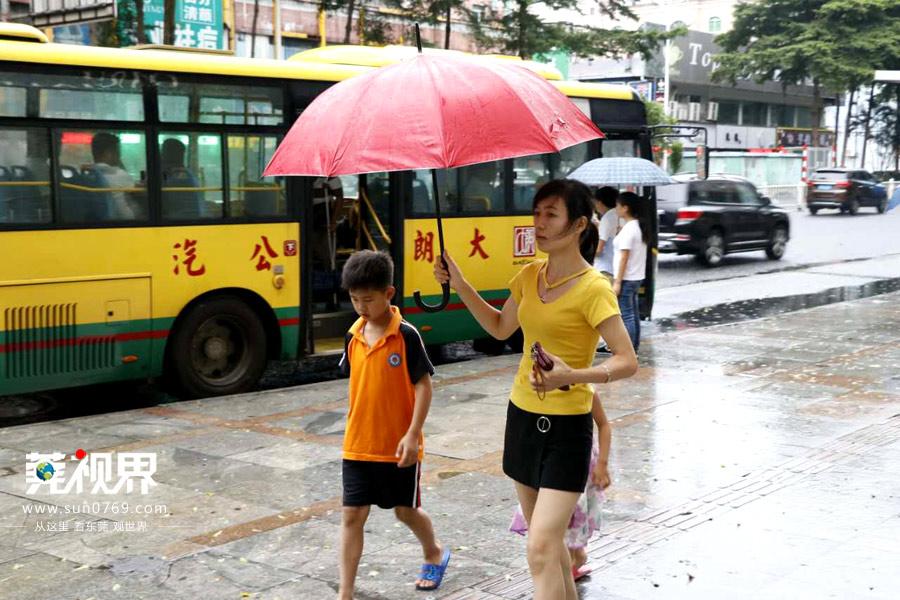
418	39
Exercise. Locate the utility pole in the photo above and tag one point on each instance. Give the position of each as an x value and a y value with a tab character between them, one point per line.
169	22
276	27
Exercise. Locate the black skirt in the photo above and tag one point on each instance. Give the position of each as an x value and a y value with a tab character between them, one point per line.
548	451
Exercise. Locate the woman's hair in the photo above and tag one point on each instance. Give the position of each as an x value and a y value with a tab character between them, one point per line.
579	203
633	203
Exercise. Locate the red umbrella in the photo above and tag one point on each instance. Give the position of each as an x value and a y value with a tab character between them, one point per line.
431	112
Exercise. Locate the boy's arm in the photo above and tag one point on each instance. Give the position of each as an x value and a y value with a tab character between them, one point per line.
604	433
408	448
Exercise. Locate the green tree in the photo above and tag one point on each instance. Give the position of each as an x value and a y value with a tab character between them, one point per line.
886	120
835	44
521	32
433	12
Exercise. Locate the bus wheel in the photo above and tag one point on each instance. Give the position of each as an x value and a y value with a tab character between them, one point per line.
219	348
516	341
489	345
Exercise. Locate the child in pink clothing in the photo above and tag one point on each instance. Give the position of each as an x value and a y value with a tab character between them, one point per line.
586	517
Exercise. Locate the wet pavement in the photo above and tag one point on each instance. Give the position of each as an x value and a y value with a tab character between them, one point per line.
755	459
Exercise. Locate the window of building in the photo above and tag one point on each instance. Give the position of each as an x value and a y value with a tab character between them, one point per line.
102	176
755	113
804	117
181	102
250	194
729	112
24	176
783	116
715	24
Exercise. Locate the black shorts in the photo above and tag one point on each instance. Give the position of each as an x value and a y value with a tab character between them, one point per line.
381	483
548	451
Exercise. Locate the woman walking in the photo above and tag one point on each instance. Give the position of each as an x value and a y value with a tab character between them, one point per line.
630	263
563	306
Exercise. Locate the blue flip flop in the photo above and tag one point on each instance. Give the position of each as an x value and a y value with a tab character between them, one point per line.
434	573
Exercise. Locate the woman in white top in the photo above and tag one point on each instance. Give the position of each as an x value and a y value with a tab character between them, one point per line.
630	262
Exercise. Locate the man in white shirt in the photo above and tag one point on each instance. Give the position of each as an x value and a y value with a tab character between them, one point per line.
605	202
108	162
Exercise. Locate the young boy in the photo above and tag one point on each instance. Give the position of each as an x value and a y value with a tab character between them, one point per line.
390	394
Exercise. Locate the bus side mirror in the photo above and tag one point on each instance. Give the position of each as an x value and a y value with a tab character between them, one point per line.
701	152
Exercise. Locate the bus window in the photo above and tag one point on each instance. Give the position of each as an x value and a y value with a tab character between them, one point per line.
24	176
480	188
96	96
612	148
571	158
181	102
251	194
191	167
12	99
530	173
101	176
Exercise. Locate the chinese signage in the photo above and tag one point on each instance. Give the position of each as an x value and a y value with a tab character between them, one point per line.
94	473
198	23
792	138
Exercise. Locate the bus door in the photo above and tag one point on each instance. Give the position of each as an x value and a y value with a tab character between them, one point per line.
348	213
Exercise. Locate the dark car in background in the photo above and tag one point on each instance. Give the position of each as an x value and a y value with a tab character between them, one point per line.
844	189
712	217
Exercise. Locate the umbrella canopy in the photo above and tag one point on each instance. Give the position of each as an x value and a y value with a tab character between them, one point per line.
624	170
431	112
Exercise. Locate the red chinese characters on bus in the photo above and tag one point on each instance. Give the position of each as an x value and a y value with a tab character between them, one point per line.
424	249
263	263
187	257
476	244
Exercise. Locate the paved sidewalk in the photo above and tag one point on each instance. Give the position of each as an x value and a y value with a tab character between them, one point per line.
759	459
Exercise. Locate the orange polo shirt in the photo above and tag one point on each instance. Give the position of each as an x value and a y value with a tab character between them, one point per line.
382	388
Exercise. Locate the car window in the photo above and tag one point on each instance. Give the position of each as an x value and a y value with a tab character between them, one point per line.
746	195
711	192
831	175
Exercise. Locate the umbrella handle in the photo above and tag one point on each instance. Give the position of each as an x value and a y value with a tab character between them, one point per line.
429	308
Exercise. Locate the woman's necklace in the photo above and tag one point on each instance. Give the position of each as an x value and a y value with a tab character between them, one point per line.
550	286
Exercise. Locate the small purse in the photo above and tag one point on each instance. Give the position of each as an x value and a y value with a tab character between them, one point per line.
543	363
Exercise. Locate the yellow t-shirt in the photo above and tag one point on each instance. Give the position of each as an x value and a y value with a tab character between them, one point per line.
566	327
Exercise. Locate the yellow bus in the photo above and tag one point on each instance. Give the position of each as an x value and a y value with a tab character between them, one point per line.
140	240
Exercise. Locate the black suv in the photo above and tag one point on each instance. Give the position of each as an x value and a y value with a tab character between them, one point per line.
844	189
717	216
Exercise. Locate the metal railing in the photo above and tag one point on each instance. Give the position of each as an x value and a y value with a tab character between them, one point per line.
786	195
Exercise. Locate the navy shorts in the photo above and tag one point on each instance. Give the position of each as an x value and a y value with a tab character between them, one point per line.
548	451
383	484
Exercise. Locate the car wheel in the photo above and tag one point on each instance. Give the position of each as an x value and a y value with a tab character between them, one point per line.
882	206
853	207
777	243
489	346
219	348
813	211
713	249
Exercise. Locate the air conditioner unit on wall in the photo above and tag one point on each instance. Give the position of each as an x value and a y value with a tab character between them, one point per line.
712	111
694	111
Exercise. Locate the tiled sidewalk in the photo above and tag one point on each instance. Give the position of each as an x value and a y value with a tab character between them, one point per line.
752	460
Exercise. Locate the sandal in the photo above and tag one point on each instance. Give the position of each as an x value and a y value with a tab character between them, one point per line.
433	573
580	572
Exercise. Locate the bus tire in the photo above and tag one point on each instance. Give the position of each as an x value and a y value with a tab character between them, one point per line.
219	348
489	346
516	342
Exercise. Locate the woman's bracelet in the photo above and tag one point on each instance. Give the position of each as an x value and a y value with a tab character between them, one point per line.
608	373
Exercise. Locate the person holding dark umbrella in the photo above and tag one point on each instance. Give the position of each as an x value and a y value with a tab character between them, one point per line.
564	305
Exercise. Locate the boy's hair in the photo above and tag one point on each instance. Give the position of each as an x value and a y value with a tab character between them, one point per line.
607	196
368	270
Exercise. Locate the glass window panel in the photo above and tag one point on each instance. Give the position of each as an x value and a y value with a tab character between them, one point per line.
94	95
479	188
529	173
571	158
191	176
755	113
728	112
746	195
611	148
102	176
804	117
185	102
24	176
250	194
